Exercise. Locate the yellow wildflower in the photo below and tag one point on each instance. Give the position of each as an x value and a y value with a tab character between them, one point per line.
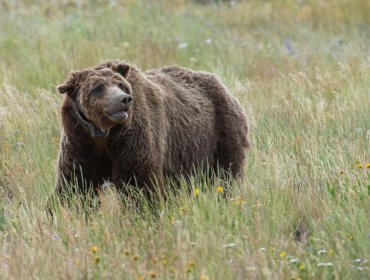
140	278
204	277
97	259
282	254
301	266
77	262
350	237
152	274
135	258
341	172
164	261
191	264
367	165
359	165
94	249
126	252
173	270
220	189
196	192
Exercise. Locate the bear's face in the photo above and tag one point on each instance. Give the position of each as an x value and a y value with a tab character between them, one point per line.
105	98
102	94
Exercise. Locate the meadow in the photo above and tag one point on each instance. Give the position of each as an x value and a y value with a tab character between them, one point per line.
300	69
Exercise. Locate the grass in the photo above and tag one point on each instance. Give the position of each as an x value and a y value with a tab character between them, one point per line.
301	70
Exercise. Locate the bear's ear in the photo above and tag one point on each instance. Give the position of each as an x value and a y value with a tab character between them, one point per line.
117	66
106	64
69	86
66	87
123	69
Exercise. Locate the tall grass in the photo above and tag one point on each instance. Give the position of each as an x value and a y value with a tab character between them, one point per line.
301	70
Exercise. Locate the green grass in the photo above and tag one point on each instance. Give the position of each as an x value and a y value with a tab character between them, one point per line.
301	70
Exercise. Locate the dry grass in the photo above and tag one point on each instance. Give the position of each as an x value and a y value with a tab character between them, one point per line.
301	69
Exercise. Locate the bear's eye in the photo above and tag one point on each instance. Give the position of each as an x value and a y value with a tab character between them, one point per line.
97	89
122	86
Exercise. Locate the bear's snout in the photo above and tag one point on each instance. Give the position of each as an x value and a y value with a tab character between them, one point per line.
126	100
118	107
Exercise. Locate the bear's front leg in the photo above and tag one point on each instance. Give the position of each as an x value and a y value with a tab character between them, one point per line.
76	178
145	178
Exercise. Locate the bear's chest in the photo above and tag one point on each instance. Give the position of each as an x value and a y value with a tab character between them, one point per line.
102	160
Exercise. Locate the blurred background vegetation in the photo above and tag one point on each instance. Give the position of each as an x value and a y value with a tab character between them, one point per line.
247	39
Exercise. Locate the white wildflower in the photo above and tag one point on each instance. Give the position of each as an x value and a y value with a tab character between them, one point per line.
325	264
229	245
294	260
182	45
321	252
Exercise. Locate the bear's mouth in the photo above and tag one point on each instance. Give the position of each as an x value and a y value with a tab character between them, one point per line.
118	117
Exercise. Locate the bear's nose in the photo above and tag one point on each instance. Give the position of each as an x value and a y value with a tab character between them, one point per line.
126	99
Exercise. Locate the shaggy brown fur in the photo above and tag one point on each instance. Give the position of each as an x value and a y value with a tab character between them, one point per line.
179	120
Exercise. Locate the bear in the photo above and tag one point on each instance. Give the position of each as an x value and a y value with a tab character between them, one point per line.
135	128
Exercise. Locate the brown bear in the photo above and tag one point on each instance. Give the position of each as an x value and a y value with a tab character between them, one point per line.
137	128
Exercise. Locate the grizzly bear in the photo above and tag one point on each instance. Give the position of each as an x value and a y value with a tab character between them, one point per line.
135	128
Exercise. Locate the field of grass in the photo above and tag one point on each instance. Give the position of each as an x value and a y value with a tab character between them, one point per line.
301	70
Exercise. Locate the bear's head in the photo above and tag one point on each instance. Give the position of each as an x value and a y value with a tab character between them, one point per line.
101	96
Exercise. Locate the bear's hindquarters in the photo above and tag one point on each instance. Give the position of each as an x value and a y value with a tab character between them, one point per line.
232	131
